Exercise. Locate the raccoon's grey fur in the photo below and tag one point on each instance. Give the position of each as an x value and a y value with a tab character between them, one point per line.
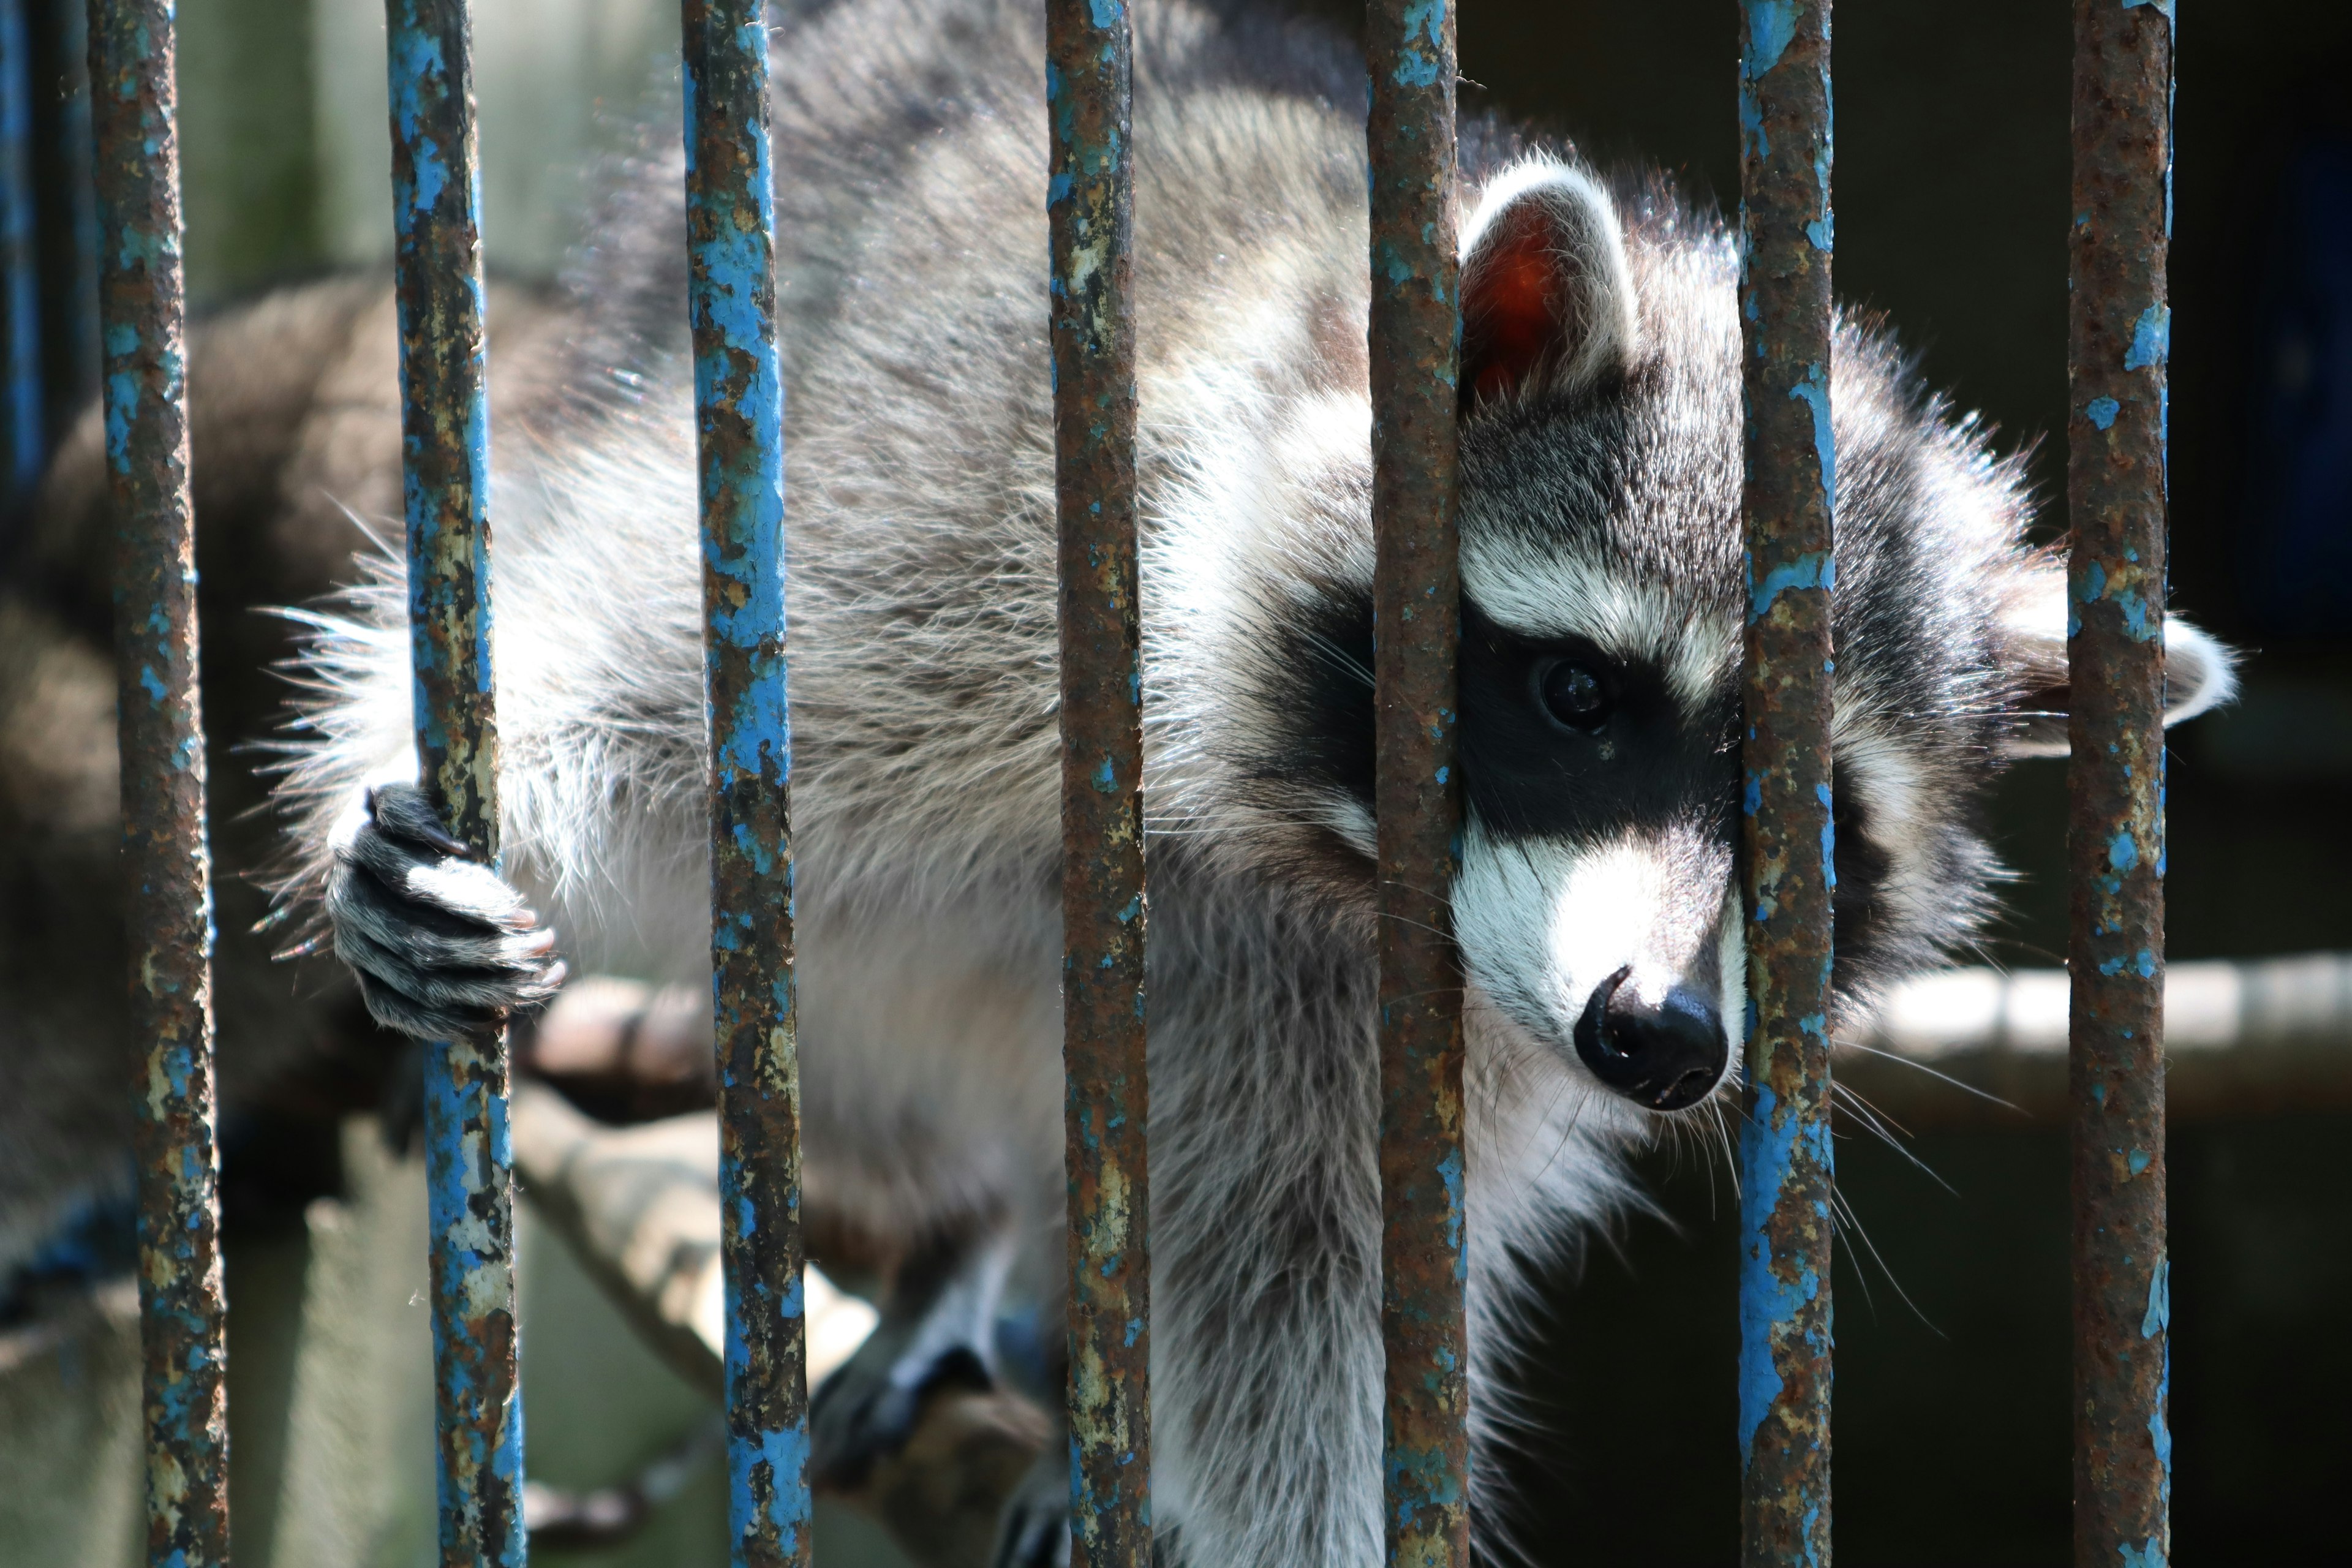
294	418
1602	574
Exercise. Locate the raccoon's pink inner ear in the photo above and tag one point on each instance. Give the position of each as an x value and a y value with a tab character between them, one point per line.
1547	299
1511	325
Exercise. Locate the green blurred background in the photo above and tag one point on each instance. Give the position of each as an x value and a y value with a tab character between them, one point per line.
1951	190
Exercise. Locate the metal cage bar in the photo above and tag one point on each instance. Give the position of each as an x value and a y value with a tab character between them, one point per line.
740	437
1789	865
2118	330
22	441
2117	352
1415	345
1089	207
184	1323
444	460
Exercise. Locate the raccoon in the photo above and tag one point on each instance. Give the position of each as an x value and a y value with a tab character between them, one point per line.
1595	909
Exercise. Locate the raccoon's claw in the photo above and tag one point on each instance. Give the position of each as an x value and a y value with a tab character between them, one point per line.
865	1411
1033	1530
938	1329
441	945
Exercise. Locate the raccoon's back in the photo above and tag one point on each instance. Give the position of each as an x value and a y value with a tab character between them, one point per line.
911	158
910	152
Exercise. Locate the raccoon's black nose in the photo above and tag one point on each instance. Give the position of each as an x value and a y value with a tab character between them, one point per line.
1664	1056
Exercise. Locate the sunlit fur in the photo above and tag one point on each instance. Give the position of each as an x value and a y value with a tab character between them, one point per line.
910	152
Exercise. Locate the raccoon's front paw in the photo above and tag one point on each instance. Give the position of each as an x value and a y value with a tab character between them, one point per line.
1033	1530
864	1414
441	945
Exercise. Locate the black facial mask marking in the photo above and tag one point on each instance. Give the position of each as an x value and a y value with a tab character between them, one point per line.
1641	764
1634	762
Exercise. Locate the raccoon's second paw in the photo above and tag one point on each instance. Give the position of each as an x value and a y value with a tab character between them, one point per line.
864	1414
441	945
1033	1530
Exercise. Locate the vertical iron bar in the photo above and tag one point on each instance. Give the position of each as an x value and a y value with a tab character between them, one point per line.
183	1331
1790	866
1414	343
20	263
739	424
65	202
1089	209
444	461
2119	333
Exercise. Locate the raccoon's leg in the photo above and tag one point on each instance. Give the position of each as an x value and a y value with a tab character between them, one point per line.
938	1329
1033	1532
441	945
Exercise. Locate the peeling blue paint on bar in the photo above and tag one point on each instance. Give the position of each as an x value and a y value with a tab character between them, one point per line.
183	1312
1790	860
445	472
1106	1114
23	445
2119	338
739	403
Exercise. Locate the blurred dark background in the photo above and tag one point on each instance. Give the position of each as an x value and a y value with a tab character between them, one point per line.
1951	190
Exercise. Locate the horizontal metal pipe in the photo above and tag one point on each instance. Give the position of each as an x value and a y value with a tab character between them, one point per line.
1789	866
444	450
1414	346
2118	332
1089	209
739	411
1979	1046
183	1328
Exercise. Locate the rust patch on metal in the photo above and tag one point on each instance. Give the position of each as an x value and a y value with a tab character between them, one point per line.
1414	347
183	1336
2119	333
1789	867
1090	215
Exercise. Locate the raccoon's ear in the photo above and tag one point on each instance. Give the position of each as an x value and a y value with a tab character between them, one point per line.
2199	672
1547	297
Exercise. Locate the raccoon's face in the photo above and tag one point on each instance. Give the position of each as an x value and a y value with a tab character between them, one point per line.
1598	906
1595	906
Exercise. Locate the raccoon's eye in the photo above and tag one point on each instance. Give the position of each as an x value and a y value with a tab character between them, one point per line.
1575	694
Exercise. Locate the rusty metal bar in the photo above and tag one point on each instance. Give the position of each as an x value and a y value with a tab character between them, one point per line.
1414	345
22	444
445	455
1089	209
183	1326
2118	331
1789	869
738	401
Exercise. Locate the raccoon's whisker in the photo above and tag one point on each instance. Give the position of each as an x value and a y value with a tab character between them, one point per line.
1339	659
1852	1101
1567	1134
1409	886
1862	1111
1730	1154
1430	990
1841	1221
1843	1218
1558	1089
1917	1066
1417	925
